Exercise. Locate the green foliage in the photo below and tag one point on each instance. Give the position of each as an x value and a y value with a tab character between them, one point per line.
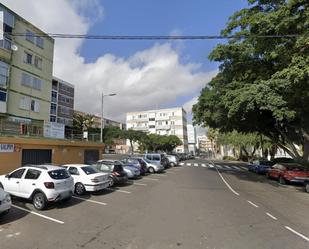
229	158
155	142
81	122
263	83
110	133
133	136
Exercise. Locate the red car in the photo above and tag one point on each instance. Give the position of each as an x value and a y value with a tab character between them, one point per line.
288	172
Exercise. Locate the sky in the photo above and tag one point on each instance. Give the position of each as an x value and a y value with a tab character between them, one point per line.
144	74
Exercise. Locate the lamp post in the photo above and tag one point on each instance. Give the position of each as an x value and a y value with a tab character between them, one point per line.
102	120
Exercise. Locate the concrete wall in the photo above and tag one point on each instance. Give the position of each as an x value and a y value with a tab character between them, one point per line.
62	151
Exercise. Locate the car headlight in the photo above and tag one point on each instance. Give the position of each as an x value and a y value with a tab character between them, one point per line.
7	198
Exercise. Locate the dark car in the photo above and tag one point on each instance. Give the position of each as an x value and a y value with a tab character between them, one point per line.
260	166
137	163
117	173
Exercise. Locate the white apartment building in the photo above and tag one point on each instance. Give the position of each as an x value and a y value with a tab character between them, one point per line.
172	121
191	139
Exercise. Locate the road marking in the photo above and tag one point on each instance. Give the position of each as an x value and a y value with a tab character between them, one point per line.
244	168
118	190
219	166
210	165
227	167
162	174
169	172
204	165
152	179
254	205
226	183
84	199
37	214
139	184
271	216
181	164
196	165
234	167
297	233
188	164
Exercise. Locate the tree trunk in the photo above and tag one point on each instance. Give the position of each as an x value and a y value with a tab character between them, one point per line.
306	147
132	148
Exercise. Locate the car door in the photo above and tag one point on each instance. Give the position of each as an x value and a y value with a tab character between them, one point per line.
29	182
74	173
12	182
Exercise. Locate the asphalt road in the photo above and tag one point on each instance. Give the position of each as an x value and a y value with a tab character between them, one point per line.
197	205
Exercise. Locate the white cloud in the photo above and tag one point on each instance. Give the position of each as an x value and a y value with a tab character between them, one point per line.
148	78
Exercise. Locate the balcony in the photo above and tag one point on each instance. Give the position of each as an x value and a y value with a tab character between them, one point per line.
141	128
163	127
162	118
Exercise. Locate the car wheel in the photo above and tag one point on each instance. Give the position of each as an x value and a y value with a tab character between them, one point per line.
151	170
1	186
39	201
79	188
307	187
111	182
282	180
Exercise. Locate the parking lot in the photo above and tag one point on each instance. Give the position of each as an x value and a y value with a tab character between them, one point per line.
197	205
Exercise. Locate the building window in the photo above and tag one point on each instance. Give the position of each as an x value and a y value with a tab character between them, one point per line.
152	127
53	109
30	36
2	96
30	81
38	62
40	42
24	103
4	73
35	106
52	119
28	58
54	97
36	83
152	119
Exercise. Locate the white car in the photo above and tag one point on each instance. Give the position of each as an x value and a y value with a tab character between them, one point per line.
39	183
87	178
5	202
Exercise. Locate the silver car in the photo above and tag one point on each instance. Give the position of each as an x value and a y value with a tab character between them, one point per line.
173	160
151	166
131	172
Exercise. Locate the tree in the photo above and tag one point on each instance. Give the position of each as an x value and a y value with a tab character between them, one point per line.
212	135
82	122
110	133
133	136
169	143
263	83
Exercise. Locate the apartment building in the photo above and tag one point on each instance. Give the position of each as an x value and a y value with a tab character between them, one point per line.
62	103
191	139
172	121
204	144
26	64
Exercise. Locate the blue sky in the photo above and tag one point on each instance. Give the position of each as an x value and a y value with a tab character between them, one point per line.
161	17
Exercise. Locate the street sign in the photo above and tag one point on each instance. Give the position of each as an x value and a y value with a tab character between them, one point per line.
6	148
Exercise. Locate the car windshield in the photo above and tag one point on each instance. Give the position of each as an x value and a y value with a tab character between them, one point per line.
89	170
59	174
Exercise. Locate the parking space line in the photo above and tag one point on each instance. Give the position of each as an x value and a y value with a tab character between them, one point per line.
139	184
118	190
227	167
169	172
203	165
181	164
244	168
84	199
237	168
254	205
271	216
37	214
162	175
151	179
297	233
189	164
196	165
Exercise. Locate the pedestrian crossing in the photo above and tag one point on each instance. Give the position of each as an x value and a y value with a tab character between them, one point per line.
217	166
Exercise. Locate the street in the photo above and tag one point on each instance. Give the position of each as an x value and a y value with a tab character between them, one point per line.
197	205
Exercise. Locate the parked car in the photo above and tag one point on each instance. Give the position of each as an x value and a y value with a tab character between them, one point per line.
5	202
128	161
306	185
288	172
173	160
40	183
260	166
116	170
151	167
157	158
87	178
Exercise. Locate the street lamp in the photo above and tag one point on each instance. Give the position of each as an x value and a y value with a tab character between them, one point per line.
102	121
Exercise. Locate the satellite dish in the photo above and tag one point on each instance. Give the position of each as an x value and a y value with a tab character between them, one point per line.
14	47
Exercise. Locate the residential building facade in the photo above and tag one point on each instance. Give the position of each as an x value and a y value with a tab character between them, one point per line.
62	103
204	144
172	121
26	64
191	139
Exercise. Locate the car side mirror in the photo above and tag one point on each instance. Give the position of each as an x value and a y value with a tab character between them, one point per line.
7	176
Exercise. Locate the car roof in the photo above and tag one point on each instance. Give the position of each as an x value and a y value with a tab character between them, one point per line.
43	167
76	165
107	160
